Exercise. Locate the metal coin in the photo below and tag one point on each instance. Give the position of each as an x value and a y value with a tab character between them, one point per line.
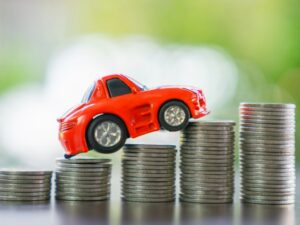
221	188
184	198
212	123
207	160
150	155
79	198
205	173
148	179
206	140
82	170
204	156
82	194
25	186
204	135
21	189
83	165
140	162
145	175
148	192
26	173
21	177
201	144
149	200
203	176
201	183
268	111
148	187
144	159
145	167
83	186
268	197
185	148
83	160
19	181
264	193
267	202
269	105
146	146
205	167
148	195
150	151
267	190
147	183
154	171
266	157
23	198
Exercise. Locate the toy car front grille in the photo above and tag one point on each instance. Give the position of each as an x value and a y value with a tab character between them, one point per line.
67	126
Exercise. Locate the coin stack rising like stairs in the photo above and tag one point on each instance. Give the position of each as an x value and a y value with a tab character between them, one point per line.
83	179
148	173
267	146
207	162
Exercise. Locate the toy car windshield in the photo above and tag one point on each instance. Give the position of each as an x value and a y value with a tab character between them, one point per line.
88	94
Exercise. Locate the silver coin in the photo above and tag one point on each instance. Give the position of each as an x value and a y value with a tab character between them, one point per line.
82	194
145	167
184	198
268	197
266	120
212	123
264	193
83	160
267	190
267	171
265	202
197	140
149	179
203	176
19	181
205	156
149	200
148	159
146	146
81	182
269	105
151	163
267	157
267	149
288	126
207	196
205	167
267	111
202	144
79	198
144	192
147	187
24	194
147	183
184	187
207	129
275	179
82	170
83	165
147	195
25	186
21	189
203	135
83	186
91	176
26	173
150	155
212	161
285	163
201	183
206	164
267	183
145	175
246	146
206	179
21	177
185	148
207	192
148	171
204	172
150	151
267	174
23	198
263	153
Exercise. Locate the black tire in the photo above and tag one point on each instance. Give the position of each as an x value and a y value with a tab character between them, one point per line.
165	125
94	144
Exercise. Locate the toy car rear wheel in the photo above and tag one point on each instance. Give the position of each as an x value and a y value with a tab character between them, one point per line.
106	134
174	116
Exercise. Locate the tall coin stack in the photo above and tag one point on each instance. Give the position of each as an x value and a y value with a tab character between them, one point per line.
207	162
25	185
267	144
148	173
83	179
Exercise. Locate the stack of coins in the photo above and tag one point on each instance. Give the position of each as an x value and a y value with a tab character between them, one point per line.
267	143
83	179
207	162
148	173
25	185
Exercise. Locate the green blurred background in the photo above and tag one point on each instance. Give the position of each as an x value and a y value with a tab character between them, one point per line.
262	37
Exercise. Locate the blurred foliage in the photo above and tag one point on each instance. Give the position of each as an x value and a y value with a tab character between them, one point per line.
261	35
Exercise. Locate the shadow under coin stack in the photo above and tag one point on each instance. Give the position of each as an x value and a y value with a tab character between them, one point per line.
207	162
83	179
267	143
148	173
25	185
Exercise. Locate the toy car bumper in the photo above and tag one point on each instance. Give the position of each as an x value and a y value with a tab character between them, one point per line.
72	142
200	112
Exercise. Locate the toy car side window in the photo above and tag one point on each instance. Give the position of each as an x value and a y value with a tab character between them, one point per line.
116	87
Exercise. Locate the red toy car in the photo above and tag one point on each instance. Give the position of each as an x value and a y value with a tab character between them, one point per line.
117	107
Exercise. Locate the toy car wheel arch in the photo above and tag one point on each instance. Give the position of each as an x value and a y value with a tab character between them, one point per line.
106	134
174	116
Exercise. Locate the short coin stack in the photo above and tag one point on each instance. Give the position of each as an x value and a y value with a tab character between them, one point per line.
207	162
148	173
25	185
267	158
83	179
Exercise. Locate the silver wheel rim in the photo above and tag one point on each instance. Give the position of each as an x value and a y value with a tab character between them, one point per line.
174	115
108	134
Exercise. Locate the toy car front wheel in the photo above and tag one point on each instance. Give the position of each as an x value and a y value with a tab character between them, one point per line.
106	134
174	116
